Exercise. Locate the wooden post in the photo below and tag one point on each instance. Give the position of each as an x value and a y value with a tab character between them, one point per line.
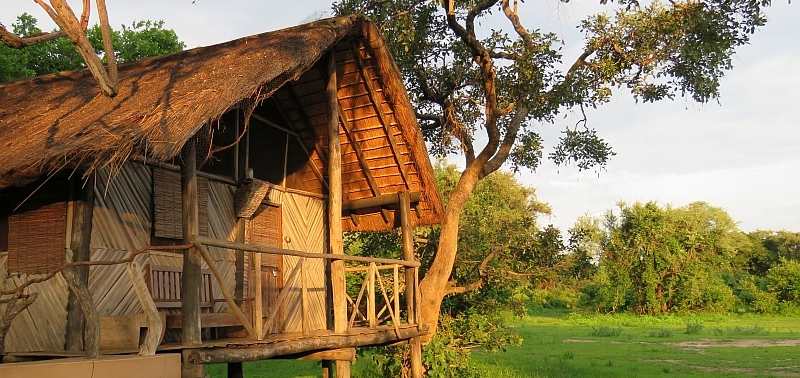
235	370
335	211
371	272
327	366
191	280
258	304
83	206
411	279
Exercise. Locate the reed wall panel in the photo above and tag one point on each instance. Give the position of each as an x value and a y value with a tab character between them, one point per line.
43	325
304	227
122	215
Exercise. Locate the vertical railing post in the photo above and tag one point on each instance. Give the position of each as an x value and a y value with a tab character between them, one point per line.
258	303
397	292
371	272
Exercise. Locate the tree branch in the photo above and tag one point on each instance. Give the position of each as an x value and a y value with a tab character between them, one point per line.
508	142
16	42
484	276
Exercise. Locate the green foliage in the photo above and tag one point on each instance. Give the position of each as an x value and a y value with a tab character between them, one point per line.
783	280
658	260
140	40
657	51
605	331
694	327
448	354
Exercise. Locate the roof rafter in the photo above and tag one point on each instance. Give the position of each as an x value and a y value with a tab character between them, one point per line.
384	121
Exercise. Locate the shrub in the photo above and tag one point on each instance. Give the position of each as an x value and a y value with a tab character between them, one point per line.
662	333
693	327
784	281
604	331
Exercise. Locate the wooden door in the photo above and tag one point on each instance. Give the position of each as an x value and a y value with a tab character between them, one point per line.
265	230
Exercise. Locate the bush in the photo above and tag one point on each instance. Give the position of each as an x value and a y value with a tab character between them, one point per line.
604	331
783	280
693	327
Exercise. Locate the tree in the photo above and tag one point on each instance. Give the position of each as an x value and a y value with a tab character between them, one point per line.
466	81
139	40
667	259
74	29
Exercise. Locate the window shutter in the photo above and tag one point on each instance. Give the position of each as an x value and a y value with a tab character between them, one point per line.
36	239
265	230
168	222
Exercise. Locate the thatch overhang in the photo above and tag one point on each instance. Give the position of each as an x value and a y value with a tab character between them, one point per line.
62	121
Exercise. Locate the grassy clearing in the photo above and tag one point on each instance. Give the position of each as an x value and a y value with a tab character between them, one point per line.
560	344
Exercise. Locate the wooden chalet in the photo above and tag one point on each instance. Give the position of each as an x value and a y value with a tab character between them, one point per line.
200	212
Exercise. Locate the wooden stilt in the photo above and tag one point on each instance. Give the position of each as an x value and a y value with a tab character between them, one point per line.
191	279
235	370
411	280
335	211
83	207
327	367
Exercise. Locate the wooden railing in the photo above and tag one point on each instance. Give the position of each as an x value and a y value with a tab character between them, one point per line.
369	315
372	310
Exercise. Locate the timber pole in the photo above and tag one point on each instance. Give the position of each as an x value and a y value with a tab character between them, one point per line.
83	206
411	274
335	211
191	279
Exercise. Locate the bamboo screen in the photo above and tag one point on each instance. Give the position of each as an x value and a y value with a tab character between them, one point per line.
265	230
167	199
36	239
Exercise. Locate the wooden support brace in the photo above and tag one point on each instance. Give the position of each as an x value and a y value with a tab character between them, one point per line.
91	336
154	327
236	310
282	297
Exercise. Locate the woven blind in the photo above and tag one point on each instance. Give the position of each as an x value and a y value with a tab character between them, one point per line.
168	222
265	230
36	239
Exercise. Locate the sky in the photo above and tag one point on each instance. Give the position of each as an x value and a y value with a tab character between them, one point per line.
741	154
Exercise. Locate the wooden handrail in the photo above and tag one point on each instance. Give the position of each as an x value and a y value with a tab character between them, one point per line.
280	251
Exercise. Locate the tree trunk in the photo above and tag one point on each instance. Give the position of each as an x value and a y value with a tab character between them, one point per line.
433	287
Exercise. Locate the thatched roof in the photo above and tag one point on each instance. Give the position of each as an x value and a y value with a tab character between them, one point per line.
62	121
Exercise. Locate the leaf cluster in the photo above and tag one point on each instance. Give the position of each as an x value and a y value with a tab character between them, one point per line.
140	40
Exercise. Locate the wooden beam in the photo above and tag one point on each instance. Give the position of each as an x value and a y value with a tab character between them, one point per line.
342	354
191	279
348	131
379	111
362	161
154	326
335	210
306	121
262	352
82	210
382	200
317	170
288	252
411	280
273	124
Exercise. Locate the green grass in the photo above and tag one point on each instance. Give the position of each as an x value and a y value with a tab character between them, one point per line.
630	346
559	344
